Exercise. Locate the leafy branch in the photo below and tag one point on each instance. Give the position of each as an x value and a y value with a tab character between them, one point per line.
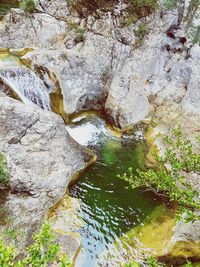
170	177
41	253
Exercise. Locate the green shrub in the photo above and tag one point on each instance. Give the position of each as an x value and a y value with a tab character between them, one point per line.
43	252
181	161
27	5
170	4
7	255
4	175
140	33
142	8
79	35
135	8
150	262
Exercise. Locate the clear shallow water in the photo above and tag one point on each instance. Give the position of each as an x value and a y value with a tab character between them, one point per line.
110	207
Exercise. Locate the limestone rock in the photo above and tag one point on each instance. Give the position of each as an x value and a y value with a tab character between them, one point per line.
19	30
58	9
83	72
41	159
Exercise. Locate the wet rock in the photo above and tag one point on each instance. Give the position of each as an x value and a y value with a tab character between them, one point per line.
66	222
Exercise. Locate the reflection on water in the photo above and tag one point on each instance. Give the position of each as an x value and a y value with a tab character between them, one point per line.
110	207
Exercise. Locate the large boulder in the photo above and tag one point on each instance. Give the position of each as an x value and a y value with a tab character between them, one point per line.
41	160
84	72
21	30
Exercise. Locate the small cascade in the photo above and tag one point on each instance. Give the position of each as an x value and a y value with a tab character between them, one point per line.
26	85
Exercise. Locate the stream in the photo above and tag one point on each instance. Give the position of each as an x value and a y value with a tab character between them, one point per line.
109	206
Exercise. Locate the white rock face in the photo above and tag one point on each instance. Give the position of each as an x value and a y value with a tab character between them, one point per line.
19	30
84	71
99	66
127	102
41	159
58	9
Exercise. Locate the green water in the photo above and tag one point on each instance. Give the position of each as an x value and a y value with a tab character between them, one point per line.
6	5
110	207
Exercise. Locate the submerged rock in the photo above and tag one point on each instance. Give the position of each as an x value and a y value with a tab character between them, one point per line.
41	159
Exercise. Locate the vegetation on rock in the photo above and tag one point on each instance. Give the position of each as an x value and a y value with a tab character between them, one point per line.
6	5
142	8
170	4
192	28
135	8
4	175
41	253
170	177
152	262
140	33
27	5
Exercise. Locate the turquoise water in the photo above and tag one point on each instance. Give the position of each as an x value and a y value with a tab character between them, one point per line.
109	206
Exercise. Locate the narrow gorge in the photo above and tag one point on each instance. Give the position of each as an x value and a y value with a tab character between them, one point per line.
99	133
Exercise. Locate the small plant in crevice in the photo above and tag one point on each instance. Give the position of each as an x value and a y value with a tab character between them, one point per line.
170	4
4	175
27	5
151	261
43	252
79	35
140	33
142	8
171	181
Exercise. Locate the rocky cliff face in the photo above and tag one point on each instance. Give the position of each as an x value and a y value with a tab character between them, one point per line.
128	71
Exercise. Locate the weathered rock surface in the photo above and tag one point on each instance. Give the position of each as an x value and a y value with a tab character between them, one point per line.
100	66
83	72
41	159
19	30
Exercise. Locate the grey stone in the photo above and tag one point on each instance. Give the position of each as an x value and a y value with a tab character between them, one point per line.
41	159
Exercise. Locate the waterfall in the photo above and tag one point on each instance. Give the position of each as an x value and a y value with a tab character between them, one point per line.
28	87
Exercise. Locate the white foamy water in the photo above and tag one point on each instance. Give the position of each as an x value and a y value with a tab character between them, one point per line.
88	133
26	85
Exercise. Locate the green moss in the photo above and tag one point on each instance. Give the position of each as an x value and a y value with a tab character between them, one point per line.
140	33
170	4
27	5
4	175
